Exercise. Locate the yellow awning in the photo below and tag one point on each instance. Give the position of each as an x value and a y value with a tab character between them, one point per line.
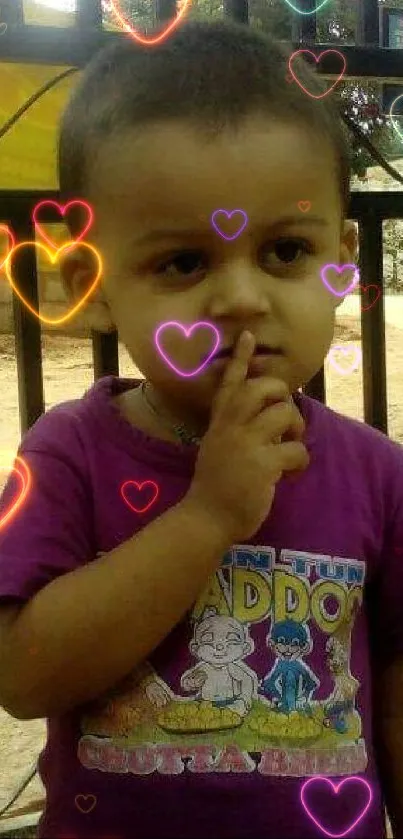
28	150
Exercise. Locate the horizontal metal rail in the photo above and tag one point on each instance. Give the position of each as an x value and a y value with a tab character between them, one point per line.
369	209
31	44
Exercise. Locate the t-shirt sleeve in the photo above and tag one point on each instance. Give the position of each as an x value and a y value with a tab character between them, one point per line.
51	532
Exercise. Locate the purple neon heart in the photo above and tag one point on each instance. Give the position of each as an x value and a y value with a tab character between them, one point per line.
188	332
340	269
363	798
229	215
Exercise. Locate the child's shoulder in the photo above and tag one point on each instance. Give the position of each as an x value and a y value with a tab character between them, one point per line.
71	420
330	427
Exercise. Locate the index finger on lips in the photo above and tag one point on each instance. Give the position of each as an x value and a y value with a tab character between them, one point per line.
237	368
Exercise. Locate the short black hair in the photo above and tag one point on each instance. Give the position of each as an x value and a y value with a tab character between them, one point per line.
213	74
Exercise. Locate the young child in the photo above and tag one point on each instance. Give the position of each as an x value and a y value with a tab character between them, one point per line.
188	548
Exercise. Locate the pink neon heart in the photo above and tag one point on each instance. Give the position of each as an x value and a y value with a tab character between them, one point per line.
187	332
317	59
345	350
229	215
340	269
319	779
63	208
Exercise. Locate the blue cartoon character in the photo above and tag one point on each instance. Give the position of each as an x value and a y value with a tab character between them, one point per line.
290	683
221	677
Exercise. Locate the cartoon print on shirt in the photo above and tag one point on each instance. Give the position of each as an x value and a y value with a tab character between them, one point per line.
259	680
290	683
135	700
221	677
341	702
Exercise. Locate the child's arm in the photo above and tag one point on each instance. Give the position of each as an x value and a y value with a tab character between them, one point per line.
91	626
388	716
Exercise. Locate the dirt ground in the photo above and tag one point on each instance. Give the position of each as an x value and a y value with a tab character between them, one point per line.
68	373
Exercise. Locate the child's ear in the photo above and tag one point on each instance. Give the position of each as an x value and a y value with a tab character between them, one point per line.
78	269
348	255
349	244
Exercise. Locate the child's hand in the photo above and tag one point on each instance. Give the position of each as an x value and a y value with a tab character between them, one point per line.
241	456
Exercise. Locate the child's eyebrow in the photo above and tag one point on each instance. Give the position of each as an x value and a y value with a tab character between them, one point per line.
176	233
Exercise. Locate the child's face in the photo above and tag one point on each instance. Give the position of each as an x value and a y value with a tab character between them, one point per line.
267	280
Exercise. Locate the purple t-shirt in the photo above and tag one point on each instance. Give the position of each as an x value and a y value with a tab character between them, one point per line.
267	681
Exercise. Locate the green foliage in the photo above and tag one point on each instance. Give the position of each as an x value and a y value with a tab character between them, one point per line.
336	25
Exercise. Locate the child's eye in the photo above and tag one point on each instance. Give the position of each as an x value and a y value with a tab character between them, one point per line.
286	250
186	262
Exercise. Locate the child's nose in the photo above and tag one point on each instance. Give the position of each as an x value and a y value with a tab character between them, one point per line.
239	291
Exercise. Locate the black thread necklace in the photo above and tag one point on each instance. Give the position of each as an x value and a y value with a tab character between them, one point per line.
179	429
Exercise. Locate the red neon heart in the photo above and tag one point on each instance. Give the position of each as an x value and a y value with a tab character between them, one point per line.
63	210
304	206
10	247
139	487
378	294
114	6
87	807
317	59
24	473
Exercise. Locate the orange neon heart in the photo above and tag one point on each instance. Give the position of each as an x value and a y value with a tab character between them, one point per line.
24	473
114	7
11	237
317	59
304	206
63	208
53	258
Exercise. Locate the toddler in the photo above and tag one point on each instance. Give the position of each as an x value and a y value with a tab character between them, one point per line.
203	590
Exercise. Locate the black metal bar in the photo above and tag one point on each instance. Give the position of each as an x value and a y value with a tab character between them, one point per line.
316	387
55	46
12	12
27	328
105	354
237	10
88	13
373	322
165	10
367	30
304	24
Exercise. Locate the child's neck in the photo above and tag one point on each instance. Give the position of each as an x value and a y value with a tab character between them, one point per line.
134	409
